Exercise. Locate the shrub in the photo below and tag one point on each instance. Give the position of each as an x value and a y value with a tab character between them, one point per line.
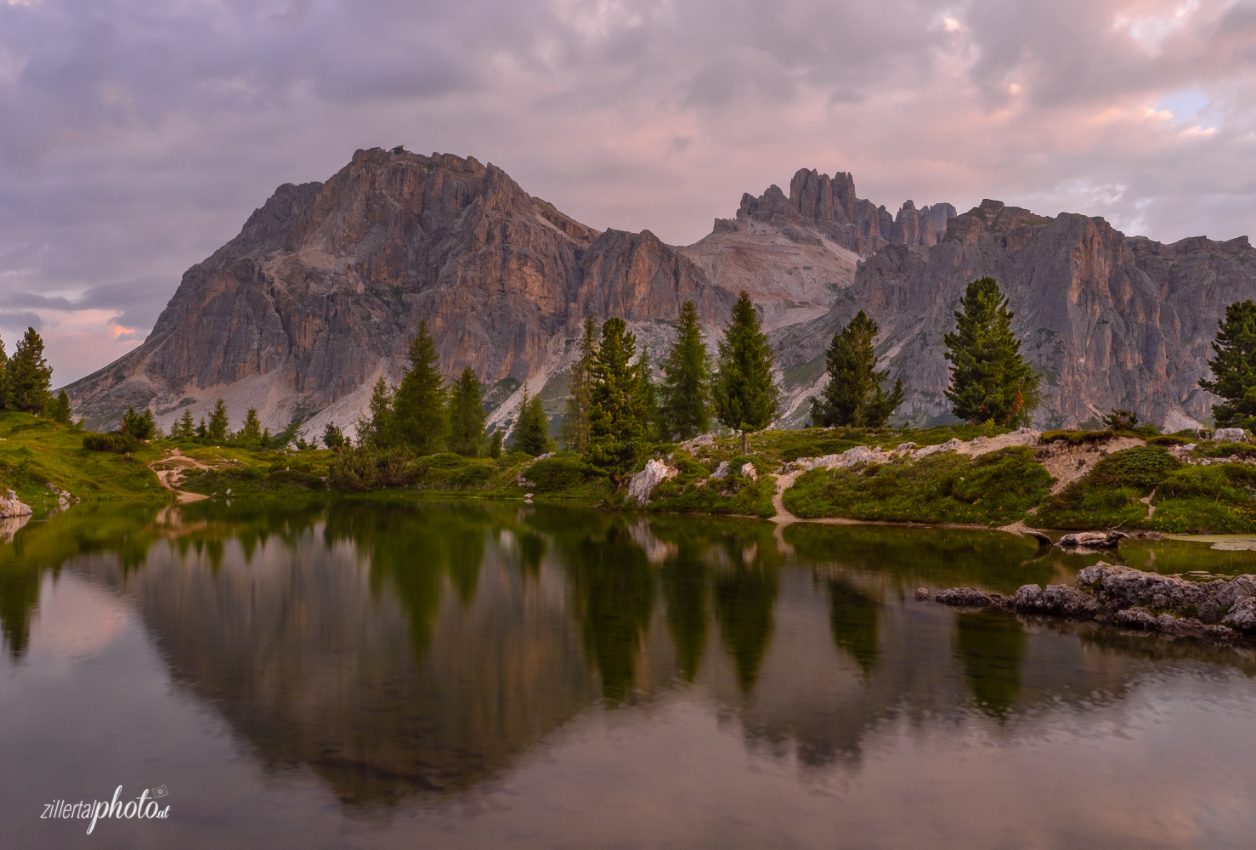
371	469
1110	494
114	442
560	472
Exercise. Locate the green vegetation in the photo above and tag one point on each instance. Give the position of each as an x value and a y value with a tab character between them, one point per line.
685	405
746	397
992	489
466	415
693	492
576	427
854	393
532	429
1110	495
990	380
619	417
1234	367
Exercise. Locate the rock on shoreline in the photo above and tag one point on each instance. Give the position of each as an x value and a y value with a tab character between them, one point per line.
1219	611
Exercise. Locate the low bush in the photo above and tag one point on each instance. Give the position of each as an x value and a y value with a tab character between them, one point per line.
361	469
114	442
1109	496
561	472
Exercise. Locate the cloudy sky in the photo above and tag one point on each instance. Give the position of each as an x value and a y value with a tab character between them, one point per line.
136	137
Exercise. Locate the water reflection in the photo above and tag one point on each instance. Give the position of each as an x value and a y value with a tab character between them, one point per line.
421	649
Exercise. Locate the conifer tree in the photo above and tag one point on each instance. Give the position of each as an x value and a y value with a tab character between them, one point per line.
649	395
990	380
685	392
29	375
618	415
466	416
219	423
495	444
1234	367
333	438
185	429
532	430
421	409
5	381
746	397
251	433
59	410
202	431
854	394
576	428
378	429
141	426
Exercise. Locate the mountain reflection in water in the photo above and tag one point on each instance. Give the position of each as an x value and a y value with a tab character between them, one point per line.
414	651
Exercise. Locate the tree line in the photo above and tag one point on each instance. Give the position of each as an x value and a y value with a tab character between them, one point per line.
617	410
26	381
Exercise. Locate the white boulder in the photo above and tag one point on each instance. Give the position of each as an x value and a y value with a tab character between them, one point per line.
643	483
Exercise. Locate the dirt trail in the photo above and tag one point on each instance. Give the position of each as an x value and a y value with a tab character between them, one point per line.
173	466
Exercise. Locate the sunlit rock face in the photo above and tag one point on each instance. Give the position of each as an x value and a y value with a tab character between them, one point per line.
325	286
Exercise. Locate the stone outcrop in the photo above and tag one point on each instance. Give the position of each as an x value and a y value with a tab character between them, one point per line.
641	485
1219	611
12	506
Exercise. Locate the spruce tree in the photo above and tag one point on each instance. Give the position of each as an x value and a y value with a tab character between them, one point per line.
219	423
184	429
378	429
466	416
649	395
202	431
495	444
59	410
532	430
333	438
746	397
618	414
251	433
141	426
576	428
990	380
685	391
5	372
854	394
421	410
29	375
1234	367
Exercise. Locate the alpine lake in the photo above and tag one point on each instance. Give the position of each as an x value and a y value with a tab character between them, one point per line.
428	674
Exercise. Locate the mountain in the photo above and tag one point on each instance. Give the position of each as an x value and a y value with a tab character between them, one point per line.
324	287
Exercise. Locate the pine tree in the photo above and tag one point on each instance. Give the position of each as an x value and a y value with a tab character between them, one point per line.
618	415
685	392
29	375
495	444
251	433
59	410
1234	367
378	429
184	429
333	438
466	416
854	394
746	397
990	380
576	428
421	410
218	423
202	431
649	395
141	426
5	379
532	429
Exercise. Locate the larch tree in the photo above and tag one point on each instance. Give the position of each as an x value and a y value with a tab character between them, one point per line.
746	397
219	423
532	429
378	428
466	415
990	380
855	394
685	391
421	408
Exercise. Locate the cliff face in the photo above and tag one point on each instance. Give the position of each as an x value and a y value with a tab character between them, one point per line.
326	284
1112	321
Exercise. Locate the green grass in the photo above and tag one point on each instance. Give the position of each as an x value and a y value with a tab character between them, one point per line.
1217	499
1109	495
35	452
993	489
692	492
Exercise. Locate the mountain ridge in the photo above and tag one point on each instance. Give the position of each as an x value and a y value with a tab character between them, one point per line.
320	292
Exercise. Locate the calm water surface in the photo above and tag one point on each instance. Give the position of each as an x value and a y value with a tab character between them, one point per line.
454	675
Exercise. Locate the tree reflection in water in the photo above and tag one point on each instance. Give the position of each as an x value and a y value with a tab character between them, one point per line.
991	646
855	618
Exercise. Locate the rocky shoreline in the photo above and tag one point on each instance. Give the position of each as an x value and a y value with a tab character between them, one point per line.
1219	611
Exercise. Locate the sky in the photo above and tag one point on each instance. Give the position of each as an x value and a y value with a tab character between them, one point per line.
136	137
